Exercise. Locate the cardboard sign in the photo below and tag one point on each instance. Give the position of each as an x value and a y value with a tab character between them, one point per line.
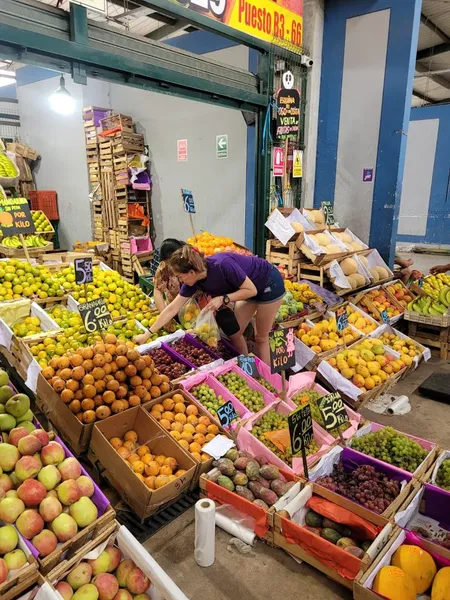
15	217
328	211
300	428
282	350
95	315
384	316
188	201
226	414
248	365
288	114
333	411
83	270
341	318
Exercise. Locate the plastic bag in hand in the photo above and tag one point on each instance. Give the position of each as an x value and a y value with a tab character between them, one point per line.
206	328
188	314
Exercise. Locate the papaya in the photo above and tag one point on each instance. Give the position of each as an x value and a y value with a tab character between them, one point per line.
441	585
313	519
417	563
345	542
394	584
342	529
331	535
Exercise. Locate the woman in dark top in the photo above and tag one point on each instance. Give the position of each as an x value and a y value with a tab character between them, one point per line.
253	284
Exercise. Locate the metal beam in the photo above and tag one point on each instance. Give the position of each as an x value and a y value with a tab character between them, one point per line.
436	78
168	7
423	97
165	30
434	28
433	51
37	29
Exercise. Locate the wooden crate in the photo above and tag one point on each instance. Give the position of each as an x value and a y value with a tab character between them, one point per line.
288	256
316	273
434	336
117	120
23	580
128	143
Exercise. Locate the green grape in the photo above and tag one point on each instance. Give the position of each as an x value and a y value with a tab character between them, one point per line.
312	397
273	421
443	475
209	399
239	387
269	387
391	447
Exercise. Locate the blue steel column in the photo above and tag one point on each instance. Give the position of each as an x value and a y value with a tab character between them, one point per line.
395	112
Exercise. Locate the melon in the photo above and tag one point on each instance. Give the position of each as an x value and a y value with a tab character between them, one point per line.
349	266
364	261
334	249
337	234
319	217
374	274
311	214
417	563
395	584
360	279
382	272
441	585
346	237
357	246
322	239
297	227
352	281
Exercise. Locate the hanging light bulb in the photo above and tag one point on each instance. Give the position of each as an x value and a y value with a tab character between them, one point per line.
61	100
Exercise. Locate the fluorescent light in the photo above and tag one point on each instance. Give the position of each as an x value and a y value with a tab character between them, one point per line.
61	100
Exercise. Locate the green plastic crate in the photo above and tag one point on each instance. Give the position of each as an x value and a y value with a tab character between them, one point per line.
146	284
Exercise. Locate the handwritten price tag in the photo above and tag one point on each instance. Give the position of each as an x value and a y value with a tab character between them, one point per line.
333	411
384	316
83	270
300	428
282	350
188	201
248	365
15	216
341	318
95	315
226	414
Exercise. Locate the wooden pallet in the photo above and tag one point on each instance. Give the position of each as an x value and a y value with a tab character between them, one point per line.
288	256
437	338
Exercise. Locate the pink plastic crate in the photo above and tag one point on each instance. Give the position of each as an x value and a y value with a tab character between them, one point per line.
248	442
141	245
199	378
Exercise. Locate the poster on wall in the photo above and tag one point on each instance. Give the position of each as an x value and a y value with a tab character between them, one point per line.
273	21
288	114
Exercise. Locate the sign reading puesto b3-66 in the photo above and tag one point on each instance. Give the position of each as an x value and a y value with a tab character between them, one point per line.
15	216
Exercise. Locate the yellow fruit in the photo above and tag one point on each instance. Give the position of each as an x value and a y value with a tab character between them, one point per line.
369	383
363	371
395	584
373	367
358	380
349	266
417	563
347	373
441	585
342	364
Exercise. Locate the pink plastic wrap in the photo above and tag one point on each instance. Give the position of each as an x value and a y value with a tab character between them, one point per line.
248	442
199	378
264	371
269	398
306	381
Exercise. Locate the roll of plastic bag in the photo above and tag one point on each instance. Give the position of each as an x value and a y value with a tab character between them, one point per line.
400	406
205	531
236	524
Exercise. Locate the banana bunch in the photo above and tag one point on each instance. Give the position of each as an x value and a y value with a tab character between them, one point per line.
432	306
31	241
7	168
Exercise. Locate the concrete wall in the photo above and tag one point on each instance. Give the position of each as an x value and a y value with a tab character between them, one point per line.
424	207
219	186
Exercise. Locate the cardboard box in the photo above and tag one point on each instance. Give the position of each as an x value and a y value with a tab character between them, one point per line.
142	500
202	467
162	586
73	431
320	553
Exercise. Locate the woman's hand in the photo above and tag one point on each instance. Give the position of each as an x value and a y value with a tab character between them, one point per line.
141	339
214	304
439	269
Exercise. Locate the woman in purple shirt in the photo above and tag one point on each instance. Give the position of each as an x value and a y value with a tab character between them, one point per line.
251	283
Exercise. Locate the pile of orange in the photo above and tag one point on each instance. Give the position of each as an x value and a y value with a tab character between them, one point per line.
184	423
105	379
211	244
155	470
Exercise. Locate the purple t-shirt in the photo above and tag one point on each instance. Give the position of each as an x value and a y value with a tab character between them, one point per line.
226	273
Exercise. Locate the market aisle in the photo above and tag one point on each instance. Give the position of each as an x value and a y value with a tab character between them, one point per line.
269	572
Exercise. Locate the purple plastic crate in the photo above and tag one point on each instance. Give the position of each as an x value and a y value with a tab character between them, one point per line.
173	355
193	342
98	498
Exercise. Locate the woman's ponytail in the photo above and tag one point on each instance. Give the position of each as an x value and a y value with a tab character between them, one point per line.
187	259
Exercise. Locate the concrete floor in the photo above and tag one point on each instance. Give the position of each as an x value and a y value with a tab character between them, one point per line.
271	571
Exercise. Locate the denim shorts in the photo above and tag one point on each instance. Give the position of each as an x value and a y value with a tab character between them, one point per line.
274	289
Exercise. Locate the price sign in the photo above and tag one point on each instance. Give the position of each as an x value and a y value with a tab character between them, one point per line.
83	270
282	350
15	217
333	411
384	316
95	315
188	201
288	114
327	208
248	365
226	414
300	428
341	318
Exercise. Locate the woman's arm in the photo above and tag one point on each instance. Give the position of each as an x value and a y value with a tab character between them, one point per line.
246	290
159	300
165	317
